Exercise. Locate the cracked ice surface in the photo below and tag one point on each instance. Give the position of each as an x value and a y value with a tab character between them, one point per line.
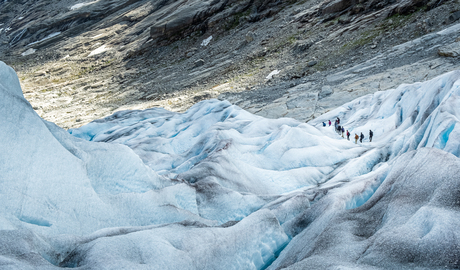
219	188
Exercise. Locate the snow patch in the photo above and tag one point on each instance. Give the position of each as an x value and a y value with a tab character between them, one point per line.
29	52
205	42
99	50
274	72
47	37
80	5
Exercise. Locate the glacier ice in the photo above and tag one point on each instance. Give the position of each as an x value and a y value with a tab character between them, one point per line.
219	188
409	223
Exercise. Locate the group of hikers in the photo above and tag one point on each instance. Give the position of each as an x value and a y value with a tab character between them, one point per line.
340	129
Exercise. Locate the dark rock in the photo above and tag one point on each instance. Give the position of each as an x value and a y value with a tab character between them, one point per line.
312	63
454	16
358	9
199	63
185	17
336	6
201	97
409	6
344	19
303	45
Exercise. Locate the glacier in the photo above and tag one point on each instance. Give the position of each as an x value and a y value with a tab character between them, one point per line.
217	187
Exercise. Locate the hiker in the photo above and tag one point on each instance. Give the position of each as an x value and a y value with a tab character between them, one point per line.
324	124
338	120
343	130
329	122
361	137
348	135
356	138
371	134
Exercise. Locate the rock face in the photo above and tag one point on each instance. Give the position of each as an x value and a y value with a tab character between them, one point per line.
94	58
187	16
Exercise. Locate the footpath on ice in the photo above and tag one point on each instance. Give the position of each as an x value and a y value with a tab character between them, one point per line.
219	188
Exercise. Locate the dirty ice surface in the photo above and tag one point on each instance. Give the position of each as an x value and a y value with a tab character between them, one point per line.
219	188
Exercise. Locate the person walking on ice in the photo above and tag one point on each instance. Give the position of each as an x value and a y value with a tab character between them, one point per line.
343	130
348	135
361	138
356	138
329	122
371	134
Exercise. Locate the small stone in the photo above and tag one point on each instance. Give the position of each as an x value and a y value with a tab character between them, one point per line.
312	63
250	36
301	46
190	52
199	63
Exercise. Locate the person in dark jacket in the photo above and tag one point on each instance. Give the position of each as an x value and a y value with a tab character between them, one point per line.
348	135
324	124
361	137
371	134
343	130
330	123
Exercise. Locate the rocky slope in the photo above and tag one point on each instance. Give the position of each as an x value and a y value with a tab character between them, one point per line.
79	61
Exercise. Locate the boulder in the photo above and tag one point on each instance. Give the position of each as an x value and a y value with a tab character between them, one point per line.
452	50
250	36
409	6
199	63
325	92
336	6
454	16
302	45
